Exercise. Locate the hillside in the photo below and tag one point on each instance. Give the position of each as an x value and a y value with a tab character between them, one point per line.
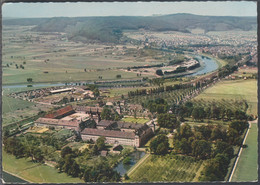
109	29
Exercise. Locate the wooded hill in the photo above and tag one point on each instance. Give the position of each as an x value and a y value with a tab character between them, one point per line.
109	29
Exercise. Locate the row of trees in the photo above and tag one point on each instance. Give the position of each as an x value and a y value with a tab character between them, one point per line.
212	111
139	92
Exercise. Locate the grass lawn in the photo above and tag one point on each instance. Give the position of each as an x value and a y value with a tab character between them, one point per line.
166	168
247	165
135	120
236	90
35	172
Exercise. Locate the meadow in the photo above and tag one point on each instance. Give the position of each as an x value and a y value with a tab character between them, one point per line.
246	170
135	120
35	172
167	168
233	90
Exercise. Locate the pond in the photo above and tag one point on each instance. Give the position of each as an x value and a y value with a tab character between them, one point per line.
8	178
135	157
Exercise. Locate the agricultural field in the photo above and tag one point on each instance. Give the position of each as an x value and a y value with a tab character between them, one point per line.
167	168
52	58
246	170
35	172
14	109
135	120
236	90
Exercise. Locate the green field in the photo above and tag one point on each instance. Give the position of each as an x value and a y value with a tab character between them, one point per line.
167	168
233	90
35	172
247	165
135	120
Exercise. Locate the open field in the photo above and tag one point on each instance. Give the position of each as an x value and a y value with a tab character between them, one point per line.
233	90
166	168
135	120
35	172
246	170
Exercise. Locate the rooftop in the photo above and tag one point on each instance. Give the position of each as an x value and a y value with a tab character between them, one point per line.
108	133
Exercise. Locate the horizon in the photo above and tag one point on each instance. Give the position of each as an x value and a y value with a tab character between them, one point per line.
156	15
105	9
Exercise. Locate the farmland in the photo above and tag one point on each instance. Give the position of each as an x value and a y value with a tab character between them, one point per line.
166	168
233	90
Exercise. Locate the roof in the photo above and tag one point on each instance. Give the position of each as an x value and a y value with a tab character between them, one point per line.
57	122
103	153
88	109
105	123
61	90
60	112
108	133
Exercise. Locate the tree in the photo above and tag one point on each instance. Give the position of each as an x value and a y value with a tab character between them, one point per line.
118	76
106	113
96	92
239	126
101	143
168	121
198	113
159	72
29	80
65	151
201	149
184	131
159	145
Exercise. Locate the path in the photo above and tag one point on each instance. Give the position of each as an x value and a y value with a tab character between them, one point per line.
137	164
241	149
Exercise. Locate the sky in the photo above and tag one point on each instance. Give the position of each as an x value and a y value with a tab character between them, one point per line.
79	9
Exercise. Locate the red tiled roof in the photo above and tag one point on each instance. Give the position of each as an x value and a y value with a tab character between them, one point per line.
60	112
108	133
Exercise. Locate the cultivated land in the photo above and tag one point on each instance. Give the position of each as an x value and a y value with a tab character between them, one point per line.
246	170
166	168
233	90
35	172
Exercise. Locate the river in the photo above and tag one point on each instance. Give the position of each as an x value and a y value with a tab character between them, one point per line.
208	65
135	157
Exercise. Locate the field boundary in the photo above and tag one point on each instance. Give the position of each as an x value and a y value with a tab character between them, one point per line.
131	170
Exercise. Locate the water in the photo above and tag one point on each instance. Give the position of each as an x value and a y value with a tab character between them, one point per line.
8	178
209	65
135	157
34	85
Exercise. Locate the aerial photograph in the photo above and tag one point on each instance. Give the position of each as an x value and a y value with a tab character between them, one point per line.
129	92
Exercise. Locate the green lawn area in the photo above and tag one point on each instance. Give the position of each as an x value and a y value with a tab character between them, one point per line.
247	165
236	90
166	168
35	172
135	120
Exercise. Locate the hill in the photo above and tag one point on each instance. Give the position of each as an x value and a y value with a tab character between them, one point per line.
109	29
